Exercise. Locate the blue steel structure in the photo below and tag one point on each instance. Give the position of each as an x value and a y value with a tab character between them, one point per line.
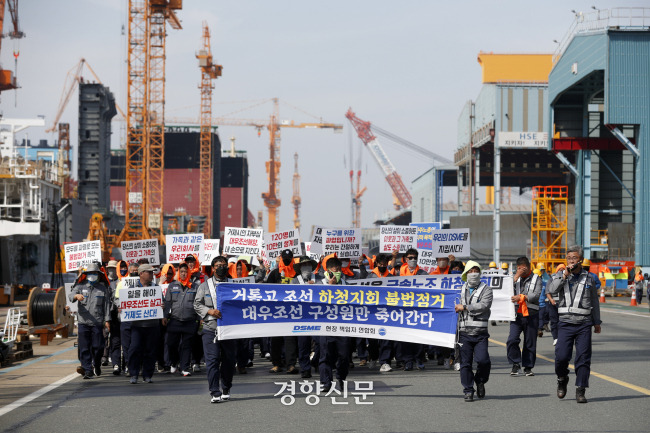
602	71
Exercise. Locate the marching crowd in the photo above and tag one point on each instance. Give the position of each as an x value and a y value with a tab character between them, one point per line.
187	334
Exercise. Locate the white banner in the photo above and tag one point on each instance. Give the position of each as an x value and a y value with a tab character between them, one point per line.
399	238
275	243
346	243
242	241
140	303
523	140
450	241
179	246
502	288
81	254
210	251
132	251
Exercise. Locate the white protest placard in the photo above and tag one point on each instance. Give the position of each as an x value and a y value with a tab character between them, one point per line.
426	260
132	251
210	251
243	280
400	238
346	243
140	303
450	241
179	246
309	252
242	241
316	243
275	243
73	306
81	254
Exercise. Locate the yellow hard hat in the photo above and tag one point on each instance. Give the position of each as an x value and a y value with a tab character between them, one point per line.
536	271
492	265
541	266
586	262
504	265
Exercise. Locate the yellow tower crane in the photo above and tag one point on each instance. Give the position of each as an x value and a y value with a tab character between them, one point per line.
273	125
209	72
145	119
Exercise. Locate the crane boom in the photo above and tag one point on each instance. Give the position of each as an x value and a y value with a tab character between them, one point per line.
209	71
393	178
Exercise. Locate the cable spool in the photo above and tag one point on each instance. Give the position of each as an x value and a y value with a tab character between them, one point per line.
48	309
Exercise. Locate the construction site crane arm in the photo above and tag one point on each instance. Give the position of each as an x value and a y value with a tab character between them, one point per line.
421	150
73	78
393	178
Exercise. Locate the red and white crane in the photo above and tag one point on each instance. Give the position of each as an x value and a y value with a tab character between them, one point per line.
392	177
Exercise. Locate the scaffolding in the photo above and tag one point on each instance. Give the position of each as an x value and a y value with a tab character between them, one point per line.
548	225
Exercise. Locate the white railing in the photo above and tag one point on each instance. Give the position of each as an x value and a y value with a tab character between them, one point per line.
617	18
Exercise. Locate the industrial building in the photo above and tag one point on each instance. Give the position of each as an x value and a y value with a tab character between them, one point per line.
598	101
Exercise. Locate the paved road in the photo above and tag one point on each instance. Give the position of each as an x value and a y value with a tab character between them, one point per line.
418	401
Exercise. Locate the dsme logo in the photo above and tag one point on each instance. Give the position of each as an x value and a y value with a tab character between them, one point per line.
305	328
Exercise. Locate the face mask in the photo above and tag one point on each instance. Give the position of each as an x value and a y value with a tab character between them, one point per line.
455	271
474	279
412	263
382	269
92	278
305	271
112	275
336	275
221	272
123	272
286	262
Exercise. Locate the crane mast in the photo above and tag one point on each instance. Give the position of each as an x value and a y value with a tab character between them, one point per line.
392	177
296	194
145	117
209	72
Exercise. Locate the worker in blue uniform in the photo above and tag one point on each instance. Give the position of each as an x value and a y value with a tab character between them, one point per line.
220	355
474	313
92	294
144	336
181	320
334	351
579	312
528	288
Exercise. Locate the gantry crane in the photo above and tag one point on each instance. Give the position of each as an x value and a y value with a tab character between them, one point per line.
146	117
295	199
209	72
7	78
273	125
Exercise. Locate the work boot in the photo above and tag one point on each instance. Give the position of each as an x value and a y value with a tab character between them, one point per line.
562	382
480	390
580	395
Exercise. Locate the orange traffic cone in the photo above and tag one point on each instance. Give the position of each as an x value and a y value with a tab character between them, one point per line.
602	295
633	301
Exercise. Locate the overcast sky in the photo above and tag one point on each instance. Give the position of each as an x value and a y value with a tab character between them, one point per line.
407	66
